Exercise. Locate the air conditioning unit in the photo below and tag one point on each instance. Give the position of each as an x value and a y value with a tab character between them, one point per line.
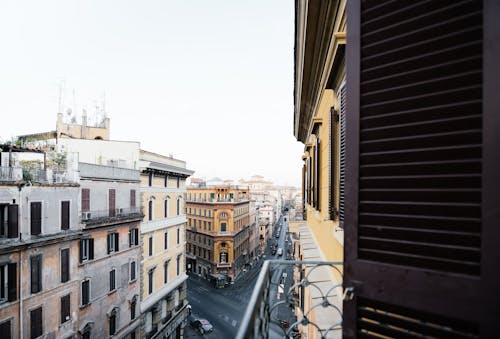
119	211
86	215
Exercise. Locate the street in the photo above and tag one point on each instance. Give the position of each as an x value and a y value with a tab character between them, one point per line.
224	308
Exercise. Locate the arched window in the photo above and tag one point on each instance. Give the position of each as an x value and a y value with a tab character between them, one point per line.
178	206
166	207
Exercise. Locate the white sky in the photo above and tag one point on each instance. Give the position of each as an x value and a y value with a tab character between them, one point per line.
209	81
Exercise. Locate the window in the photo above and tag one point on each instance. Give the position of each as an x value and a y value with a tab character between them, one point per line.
178	264
64	265
112	322
85	200
133	239
178	236
132	198
178	206
36	273
132	271
212	195
150	179
223	258
178	182
223	227
111	203
86	332
165	272
112	280
8	282
165	181
132	309
150	246
8	221
150	281
150	210
86	249
65	308
165	241
5	329
64	215
36	218
36	328
166	208
85	292
223	215
113	242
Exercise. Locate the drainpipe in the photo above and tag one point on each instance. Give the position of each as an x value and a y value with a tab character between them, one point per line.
19	226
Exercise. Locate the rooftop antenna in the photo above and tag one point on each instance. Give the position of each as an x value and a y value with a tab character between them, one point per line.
60	99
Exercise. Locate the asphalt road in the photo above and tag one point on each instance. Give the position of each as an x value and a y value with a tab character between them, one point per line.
224	308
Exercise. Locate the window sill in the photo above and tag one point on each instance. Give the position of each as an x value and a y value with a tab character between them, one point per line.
132	281
85	306
112	292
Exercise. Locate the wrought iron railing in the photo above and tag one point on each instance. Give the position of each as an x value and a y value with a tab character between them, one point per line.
11	173
292	298
96	216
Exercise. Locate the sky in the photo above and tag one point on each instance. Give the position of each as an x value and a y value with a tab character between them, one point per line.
210	82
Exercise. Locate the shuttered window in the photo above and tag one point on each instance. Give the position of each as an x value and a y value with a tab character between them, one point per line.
86	249
65	309
112	199
13	231
132	311
112	280
165	208
132	271
85	200
5	329
150	210
64	215
112	323
133	239
150	243
113	242
35	218
85	292
342	153
165	272
64	265
165	241
36	323
150	281
132	198
8	282
36	273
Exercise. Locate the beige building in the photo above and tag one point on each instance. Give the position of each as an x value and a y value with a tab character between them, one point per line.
163	287
218	234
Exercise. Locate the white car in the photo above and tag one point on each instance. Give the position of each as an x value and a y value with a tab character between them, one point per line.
280	252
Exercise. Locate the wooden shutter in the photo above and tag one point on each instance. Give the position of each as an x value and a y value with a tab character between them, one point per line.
150	210
85	200
422	169
136	238
36	326
117	241
35	218
65	265
342	150
5	329
13	231
65	308
150	246
91	249
12	281
82	244
132	198
112	280
108	243
132	270
36	273
85	292
112	209
333	163
64	215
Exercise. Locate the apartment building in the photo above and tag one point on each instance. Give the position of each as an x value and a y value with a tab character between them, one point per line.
218	230
39	236
163	230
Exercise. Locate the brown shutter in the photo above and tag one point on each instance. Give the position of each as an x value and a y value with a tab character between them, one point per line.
36	273
112	208
36	328
132	198
81	244
64	215
342	157
65	308
35	218
85	200
5	329
91	248
64	265
85	292
108	243
12	282
13	231
117	241
334	117
422	169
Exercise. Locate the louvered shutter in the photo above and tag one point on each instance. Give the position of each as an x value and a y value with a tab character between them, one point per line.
13	231
112	206
342	153
36	273
419	238
64	215
85	200
64	265
12	281
36	326
91	248
117	241
35	218
132	198
333	164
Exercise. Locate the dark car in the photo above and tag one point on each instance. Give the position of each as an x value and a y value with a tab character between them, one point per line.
202	325
273	251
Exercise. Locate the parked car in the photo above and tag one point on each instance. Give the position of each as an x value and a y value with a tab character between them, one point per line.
273	251
280	251
201	325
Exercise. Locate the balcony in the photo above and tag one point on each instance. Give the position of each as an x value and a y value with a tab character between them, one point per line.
11	173
294	299
107	216
107	172
40	176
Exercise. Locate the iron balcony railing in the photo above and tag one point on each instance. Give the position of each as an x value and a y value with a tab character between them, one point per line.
97	216
11	173
295	299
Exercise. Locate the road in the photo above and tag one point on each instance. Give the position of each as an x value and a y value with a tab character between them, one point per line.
224	308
